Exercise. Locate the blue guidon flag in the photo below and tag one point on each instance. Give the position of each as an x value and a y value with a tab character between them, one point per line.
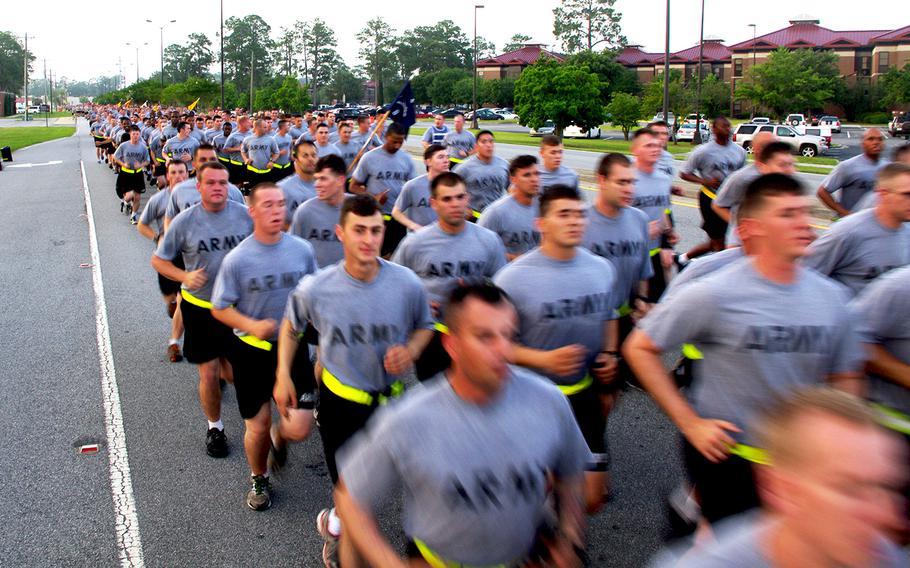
402	108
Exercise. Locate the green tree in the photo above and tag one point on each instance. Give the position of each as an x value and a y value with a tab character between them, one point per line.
290	96
895	87
286	46
147	90
345	86
463	91
248	48
199	56
12	55
175	63
614	77
585	24
433	48
653	98
320	54
792	81
566	94
420	84
442	89
715	96
517	42
485	49
377	52
624	111
498	92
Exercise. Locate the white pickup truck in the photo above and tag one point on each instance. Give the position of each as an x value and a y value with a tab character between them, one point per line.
804	144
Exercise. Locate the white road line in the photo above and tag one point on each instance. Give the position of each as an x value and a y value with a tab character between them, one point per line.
129	544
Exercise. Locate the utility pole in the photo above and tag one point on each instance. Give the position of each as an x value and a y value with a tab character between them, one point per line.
474	93
251	80
222	55
701	51
667	76
25	75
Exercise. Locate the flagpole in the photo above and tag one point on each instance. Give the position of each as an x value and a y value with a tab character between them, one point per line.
376	127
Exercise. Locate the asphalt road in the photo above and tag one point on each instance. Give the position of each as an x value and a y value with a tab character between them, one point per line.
190	508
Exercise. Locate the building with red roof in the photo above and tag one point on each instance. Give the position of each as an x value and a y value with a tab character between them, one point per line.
510	65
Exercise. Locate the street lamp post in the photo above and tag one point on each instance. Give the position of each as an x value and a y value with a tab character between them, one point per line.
137	57
222	55
25	74
753	62
701	52
474	95
666	108
161	29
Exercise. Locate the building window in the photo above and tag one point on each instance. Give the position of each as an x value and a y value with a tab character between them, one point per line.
691	72
717	69
863	66
737	67
884	62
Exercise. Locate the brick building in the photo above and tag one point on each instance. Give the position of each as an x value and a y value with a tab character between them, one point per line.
510	65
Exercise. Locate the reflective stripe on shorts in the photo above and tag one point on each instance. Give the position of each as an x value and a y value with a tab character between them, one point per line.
195	301
581	385
256	342
356	395
708	192
436	561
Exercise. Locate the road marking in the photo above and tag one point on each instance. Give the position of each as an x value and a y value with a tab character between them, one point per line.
126	523
30	165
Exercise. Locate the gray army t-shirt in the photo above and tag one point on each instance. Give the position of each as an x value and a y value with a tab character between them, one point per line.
561	302
702	266
204	237
667	165
854	178
857	249
257	278
440	259
414	201
882	311
153	214
132	154
760	339
622	240
185	195
474	478
712	160
175	148
235	140
284	143
513	222
260	149
486	181
315	221
560	176
359	321
652	196
296	191
381	171
347	151
326	150
459	141
731	193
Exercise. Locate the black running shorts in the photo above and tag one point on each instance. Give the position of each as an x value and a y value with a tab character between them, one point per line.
338	421
165	284
254	376
725	489
711	221
394	232
205	338
593	425
130	182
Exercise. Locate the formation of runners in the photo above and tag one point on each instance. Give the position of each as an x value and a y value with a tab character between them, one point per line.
460	336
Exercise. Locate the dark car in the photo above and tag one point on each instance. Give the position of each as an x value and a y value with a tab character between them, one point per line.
451	113
900	126
485	114
347	113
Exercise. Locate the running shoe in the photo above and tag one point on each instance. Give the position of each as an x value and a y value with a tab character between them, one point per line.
134	218
122	205
173	353
216	443
259	497
330	548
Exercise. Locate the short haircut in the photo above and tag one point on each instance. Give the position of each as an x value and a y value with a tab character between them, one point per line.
554	192
899	152
607	161
362	118
170	163
259	122
521	162
300	143
483	291
485	132
720	118
182	124
891	171
439	115
662	123
457	114
134	128
646	131
201	148
550	140
282	122
398	129
778	429
260	187
432	149
362	205
447	179
215	165
771	148
322	125
768	185
332	162
344	124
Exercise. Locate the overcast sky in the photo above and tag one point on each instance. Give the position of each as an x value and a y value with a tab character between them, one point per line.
71	36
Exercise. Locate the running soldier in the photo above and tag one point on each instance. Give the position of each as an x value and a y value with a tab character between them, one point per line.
373	322
855	177
552	172
283	167
412	208
132	157
315	219
477	468
435	135
323	146
233	146
347	148
485	174
301	185
259	153
459	142
181	147
513	216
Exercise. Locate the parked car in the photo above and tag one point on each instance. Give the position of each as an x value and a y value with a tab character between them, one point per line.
761	120
900	125
686	132
507	115
34	109
831	122
483	114
804	144
795	119
822	131
450	113
347	113
671	118
570	131
693	118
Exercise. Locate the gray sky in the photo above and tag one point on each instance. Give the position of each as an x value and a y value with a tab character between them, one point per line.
64	37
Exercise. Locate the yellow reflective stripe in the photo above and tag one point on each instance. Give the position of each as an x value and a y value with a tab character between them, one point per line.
441	328
386	217
668	211
708	192
689	351
255	342
257	170
281	167
624	310
162	160
353	394
195	301
654	251
456	160
435	561
581	385
225	160
893	419
751	453
236	163
476	214
129	171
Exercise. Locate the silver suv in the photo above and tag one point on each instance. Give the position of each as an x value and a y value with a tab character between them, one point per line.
804	144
